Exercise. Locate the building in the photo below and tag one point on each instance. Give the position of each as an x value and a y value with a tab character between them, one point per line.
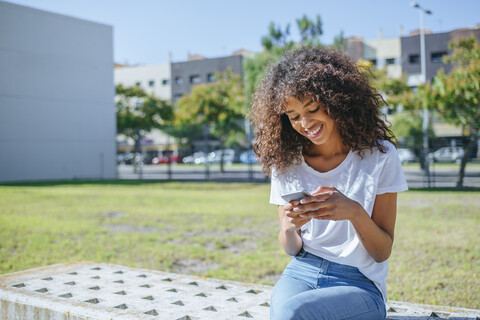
154	79
199	70
57	115
436	46
170	82
384	53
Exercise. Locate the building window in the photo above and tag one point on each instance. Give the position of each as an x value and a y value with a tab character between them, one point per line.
211	77
437	57
195	79
151	83
414	59
165	82
177	96
137	84
390	61
373	62
178	81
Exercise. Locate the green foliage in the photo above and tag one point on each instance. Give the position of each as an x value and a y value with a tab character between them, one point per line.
310	30
275	43
407	127
393	90
457	94
255	68
339	42
276	37
136	110
219	104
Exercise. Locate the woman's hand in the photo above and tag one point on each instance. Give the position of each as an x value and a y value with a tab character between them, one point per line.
326	203
291	219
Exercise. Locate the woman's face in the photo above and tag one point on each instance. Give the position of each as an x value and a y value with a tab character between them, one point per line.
309	118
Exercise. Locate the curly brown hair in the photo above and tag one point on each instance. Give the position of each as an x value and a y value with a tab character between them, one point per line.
326	76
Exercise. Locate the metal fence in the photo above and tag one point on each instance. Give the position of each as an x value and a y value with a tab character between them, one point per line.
441	175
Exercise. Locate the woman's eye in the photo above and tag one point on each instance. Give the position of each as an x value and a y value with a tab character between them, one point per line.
294	118
315	110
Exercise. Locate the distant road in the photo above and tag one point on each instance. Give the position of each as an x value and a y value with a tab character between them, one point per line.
441	176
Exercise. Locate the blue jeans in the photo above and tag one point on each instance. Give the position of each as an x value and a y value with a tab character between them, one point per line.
314	288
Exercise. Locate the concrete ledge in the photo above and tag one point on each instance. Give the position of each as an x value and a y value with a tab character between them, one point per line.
88	290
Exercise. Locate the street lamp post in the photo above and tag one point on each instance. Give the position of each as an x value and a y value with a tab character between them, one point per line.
423	68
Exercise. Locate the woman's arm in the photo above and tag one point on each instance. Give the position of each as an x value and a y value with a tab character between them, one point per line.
375	233
289	235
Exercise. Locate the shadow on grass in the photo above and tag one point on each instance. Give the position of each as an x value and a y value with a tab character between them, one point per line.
50	183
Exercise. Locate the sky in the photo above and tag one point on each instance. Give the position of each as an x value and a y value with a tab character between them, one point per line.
148	32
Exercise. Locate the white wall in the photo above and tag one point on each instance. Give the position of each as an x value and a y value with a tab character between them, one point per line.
386	48
57	115
130	76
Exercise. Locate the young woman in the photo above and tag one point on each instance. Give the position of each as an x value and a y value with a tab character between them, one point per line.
319	129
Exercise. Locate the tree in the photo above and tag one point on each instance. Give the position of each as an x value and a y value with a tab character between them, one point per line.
219	105
274	44
457	94
339	42
276	37
407	127
255	68
310	30
138	113
398	97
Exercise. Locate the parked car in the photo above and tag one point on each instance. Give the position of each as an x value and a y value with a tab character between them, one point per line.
406	155
248	157
216	156
165	159
447	154
196	158
128	159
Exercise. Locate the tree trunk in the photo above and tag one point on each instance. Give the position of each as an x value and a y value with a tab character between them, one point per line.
222	156
468	151
137	150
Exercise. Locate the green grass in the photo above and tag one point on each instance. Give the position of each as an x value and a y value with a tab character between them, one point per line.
227	231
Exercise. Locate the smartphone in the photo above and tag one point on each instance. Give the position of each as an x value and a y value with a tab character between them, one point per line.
297	195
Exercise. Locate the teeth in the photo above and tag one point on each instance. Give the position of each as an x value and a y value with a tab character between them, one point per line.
312	133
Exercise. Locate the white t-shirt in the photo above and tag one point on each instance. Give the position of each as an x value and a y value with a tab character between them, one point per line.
360	179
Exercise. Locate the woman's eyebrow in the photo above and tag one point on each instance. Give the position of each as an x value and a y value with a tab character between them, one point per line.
305	105
308	103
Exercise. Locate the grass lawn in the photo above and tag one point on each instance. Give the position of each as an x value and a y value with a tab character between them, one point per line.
227	231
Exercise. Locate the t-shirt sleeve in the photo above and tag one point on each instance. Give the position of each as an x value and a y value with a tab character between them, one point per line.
392	179
276	190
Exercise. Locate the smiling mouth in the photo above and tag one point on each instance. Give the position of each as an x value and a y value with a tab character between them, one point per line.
314	133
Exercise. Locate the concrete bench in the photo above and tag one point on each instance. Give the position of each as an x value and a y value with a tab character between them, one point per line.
87	290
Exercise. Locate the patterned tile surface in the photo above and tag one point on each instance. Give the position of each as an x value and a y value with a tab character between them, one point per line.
87	290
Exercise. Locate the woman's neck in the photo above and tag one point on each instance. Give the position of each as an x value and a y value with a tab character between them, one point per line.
325	150
325	158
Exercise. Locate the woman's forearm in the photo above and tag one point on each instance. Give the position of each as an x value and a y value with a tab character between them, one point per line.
377	242
290	241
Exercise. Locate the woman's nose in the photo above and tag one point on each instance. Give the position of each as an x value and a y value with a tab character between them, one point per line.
306	122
